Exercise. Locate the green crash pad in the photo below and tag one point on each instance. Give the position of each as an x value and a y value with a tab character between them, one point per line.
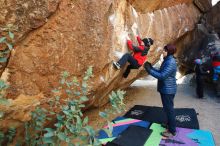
155	137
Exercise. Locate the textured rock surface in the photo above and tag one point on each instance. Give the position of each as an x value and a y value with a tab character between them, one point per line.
203	5
194	44
213	17
83	33
190	45
18	111
26	15
23	16
144	6
77	36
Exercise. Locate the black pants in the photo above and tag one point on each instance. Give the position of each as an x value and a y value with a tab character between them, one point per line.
168	107
199	87
133	63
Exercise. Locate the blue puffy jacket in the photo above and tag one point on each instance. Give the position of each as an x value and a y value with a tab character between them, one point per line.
166	76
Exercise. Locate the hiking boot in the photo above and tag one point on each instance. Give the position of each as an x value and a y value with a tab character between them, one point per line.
116	65
168	134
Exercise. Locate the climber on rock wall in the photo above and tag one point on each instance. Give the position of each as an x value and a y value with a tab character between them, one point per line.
139	55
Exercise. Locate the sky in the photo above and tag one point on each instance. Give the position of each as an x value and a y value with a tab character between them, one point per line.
214	2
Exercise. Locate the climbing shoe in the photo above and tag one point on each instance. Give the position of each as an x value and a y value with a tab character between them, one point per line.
168	134
116	65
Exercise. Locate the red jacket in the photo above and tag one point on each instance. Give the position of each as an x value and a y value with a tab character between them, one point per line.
216	60
138	50
215	63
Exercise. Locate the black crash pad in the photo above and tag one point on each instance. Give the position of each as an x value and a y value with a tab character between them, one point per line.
185	117
132	136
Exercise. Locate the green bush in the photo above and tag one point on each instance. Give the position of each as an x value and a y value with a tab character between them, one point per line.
7	40
8	136
71	126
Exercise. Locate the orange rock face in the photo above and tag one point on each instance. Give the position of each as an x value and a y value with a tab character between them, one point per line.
164	26
84	33
26	15
77	36
144	6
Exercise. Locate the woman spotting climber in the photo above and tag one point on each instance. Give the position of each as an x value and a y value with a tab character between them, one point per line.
166	86
139	55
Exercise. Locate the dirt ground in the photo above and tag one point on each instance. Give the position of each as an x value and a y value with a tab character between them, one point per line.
146	94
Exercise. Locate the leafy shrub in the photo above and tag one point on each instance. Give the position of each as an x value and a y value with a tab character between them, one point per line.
8	136
71	126
7	41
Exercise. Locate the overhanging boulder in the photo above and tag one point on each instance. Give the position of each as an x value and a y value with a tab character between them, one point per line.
84	33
